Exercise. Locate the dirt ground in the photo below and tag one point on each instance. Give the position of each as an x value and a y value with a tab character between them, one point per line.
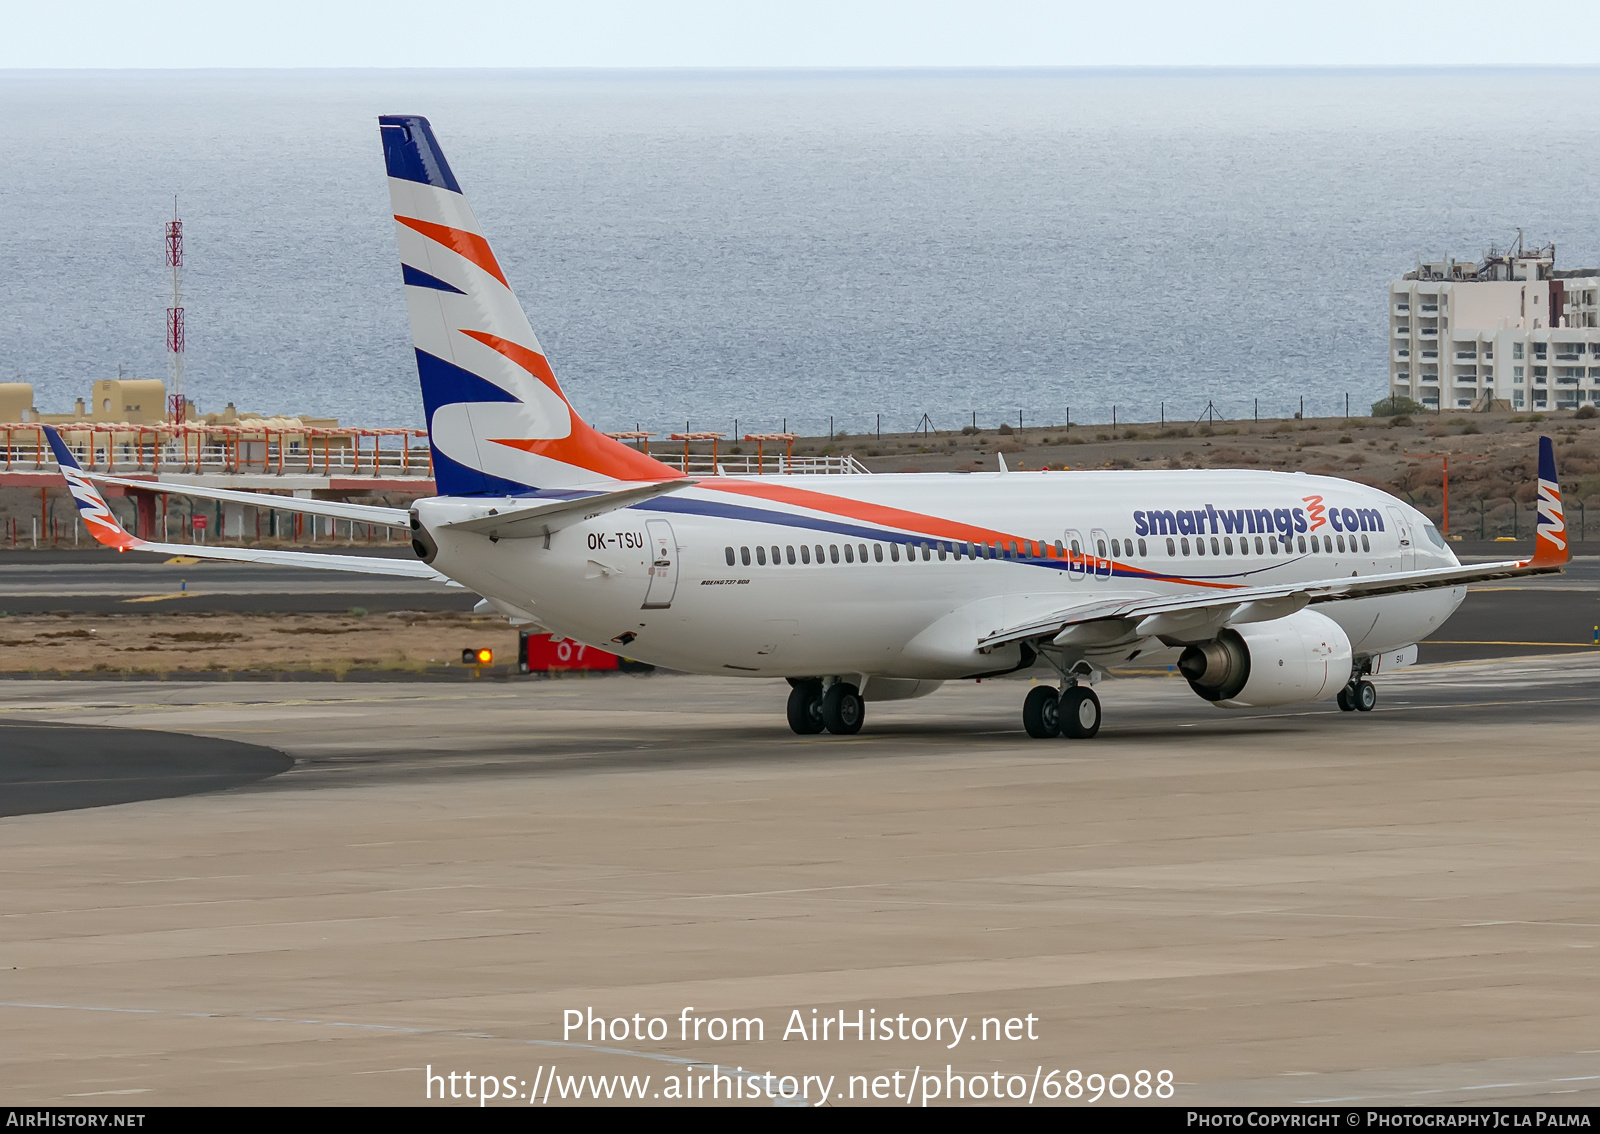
394	644
1493	457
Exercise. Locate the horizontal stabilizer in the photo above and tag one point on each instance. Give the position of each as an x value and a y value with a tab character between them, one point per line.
547	516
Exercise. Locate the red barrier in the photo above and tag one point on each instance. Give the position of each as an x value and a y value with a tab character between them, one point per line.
542	653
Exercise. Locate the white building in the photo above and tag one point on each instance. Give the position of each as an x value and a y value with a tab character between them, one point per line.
1512	329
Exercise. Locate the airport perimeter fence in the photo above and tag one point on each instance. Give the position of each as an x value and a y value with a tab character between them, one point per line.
1162	414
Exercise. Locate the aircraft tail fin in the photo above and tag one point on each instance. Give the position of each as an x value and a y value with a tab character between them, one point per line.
498	421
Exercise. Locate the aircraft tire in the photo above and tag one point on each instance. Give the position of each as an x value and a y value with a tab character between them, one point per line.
805	708
1365	696
1041	712
1347	703
842	709
1080	713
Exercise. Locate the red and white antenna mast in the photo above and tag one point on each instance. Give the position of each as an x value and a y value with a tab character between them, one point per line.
176	403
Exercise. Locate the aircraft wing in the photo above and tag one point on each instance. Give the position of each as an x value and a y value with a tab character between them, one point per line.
361	513
1203	612
102	524
1198	616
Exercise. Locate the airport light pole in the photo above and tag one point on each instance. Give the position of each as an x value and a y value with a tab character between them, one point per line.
1445	457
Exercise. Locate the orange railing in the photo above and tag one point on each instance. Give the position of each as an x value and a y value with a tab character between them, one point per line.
239	448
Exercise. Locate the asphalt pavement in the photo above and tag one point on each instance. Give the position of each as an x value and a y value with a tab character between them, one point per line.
1276	907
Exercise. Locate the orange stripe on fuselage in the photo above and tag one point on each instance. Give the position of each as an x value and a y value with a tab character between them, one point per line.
919	522
468	244
881	514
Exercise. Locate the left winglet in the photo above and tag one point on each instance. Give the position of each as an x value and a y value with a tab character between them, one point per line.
1550	534
97	515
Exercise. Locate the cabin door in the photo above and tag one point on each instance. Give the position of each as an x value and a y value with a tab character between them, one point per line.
663	565
1408	547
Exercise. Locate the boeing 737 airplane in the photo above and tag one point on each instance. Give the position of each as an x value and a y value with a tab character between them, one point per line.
1264	588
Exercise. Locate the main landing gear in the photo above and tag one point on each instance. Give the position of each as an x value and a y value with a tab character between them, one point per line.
1359	696
1072	712
837	709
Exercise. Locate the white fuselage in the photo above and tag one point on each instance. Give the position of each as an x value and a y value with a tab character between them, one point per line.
911	599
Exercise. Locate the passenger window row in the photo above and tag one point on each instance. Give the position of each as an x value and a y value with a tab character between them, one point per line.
928	550
1268	545
859	553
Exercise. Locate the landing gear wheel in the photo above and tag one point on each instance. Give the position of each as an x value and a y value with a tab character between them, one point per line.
842	710
805	708
1365	696
1041	712
1347	703
1080	713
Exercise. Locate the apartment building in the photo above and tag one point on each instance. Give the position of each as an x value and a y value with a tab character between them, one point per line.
1510	330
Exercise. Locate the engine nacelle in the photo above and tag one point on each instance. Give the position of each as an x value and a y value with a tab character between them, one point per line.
1302	657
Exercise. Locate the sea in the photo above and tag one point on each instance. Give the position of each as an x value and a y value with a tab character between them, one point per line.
742	251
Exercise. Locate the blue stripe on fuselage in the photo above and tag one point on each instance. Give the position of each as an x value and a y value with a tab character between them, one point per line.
687	506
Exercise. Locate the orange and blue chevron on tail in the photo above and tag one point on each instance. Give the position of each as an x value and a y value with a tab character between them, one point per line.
96	513
497	419
1550	538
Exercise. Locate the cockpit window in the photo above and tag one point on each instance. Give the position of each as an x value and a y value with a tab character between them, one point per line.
1433	535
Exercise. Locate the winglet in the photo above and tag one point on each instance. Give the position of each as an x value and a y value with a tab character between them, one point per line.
97	514
1550	535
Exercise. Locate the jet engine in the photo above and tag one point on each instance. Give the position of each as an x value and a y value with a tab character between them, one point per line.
1302	657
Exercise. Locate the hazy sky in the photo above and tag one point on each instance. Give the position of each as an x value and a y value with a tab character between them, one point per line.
792	33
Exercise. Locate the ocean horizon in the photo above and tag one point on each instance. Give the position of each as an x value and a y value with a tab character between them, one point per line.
784	247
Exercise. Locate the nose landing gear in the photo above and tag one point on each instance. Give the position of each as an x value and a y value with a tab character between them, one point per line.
1073	712
1359	696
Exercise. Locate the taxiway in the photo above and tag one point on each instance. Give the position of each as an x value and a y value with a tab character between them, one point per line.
1283	906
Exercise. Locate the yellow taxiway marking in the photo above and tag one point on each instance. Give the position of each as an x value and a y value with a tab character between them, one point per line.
1569	645
179	560
159	598
287	702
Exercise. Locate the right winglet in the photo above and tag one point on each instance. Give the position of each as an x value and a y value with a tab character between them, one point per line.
1550	534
